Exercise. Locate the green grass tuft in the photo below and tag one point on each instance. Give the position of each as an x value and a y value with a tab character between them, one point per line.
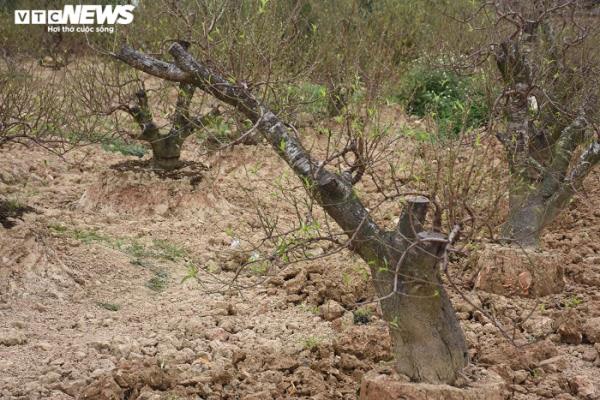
116	145
110	306
158	282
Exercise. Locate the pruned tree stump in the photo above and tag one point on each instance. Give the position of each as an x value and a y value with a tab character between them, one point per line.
380	386
512	270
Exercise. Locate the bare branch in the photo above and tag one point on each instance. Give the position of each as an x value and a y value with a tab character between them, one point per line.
151	65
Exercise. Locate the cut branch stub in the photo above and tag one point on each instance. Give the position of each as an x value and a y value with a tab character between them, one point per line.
413	216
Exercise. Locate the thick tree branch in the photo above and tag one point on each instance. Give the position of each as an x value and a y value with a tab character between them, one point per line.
572	183
333	193
142	114
517	74
214	84
589	158
568	141
150	65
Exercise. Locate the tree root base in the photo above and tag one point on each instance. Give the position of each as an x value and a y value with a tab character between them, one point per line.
383	384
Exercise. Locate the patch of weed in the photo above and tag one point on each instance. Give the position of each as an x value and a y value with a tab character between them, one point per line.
311	97
364	273
158	282
135	249
89	236
310	308
167	250
117	145
362	316
259	268
192	272
110	306
311	342
457	103
218	131
159	248
58	228
139	252
573	301
420	135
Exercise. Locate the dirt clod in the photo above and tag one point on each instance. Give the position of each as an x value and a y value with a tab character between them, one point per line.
77	320
377	386
12	337
591	329
332	310
510	270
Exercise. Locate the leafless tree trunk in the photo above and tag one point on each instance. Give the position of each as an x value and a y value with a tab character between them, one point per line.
428	341
544	76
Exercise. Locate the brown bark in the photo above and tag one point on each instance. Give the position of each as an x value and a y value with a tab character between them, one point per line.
428	341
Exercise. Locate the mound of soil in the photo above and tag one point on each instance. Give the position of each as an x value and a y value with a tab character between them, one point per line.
141	191
383	384
515	271
31	268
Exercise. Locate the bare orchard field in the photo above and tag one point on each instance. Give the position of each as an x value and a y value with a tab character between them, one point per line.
95	304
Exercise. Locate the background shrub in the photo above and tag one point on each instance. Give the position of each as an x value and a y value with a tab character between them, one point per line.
457	103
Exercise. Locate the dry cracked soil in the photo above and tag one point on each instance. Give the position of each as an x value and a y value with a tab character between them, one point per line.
95	304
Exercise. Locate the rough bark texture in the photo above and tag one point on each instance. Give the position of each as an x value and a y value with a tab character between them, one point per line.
428	341
526	216
540	143
166	147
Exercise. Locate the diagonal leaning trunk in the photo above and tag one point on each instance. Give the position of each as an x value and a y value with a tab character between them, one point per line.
428	342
